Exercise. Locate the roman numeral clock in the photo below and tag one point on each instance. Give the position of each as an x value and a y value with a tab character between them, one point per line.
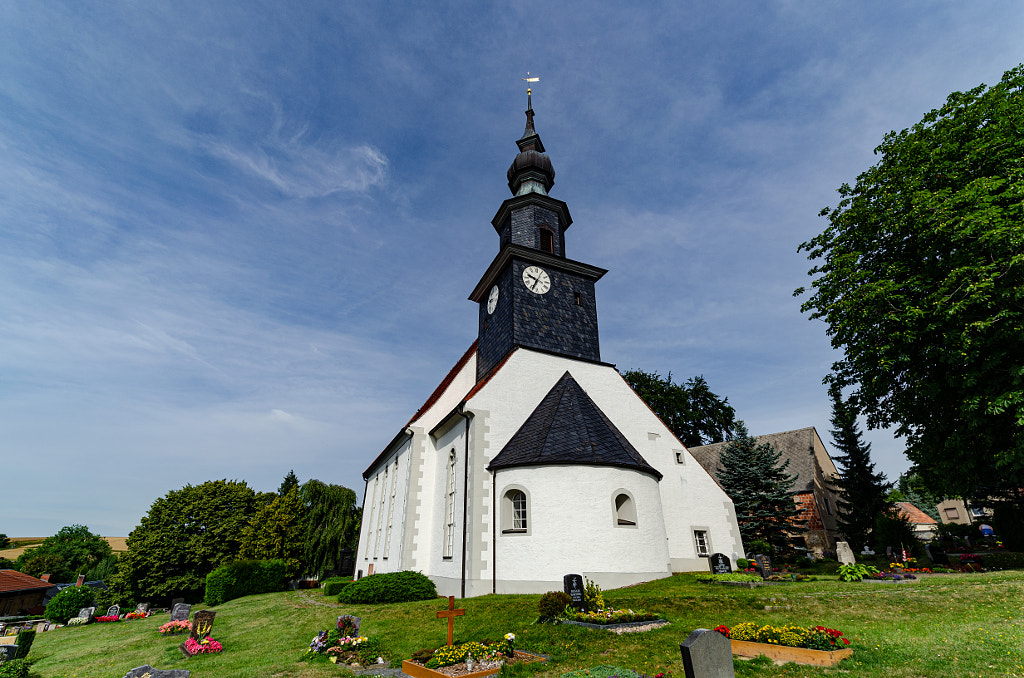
532	295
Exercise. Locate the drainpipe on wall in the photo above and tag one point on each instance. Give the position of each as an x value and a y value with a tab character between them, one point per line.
494	531
465	498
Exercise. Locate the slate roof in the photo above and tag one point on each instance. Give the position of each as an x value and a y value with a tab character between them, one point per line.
567	427
797	446
12	580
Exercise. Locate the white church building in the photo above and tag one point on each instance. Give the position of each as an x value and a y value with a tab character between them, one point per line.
534	459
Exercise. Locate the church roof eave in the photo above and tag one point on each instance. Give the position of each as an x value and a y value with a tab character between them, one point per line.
539	257
541	199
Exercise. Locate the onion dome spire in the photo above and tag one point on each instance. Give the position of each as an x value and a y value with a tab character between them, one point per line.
531	171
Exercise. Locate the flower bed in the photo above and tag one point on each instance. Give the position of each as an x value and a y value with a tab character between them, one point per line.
77	621
343	645
813	645
176	627
110	618
604	617
135	615
205	646
467	660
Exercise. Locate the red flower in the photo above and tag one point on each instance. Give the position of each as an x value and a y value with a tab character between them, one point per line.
723	629
846	641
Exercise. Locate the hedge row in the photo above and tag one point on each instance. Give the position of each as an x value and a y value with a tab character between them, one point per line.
389	587
334	585
244	578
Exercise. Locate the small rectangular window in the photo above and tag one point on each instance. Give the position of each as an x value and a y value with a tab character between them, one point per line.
547	241
700	538
680	457
579	299
952	514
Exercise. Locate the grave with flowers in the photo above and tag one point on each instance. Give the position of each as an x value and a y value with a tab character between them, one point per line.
465	660
812	645
199	640
343	645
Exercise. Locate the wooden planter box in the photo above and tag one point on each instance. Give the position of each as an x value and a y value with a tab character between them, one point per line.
781	653
420	671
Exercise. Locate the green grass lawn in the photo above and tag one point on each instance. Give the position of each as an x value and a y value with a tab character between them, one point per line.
951	625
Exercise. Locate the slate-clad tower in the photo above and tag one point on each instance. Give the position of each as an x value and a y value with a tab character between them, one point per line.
532	295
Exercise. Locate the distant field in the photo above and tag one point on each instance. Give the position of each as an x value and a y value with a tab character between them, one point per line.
24	543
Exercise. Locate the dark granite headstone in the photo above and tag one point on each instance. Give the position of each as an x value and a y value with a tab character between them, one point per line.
707	654
720	563
888	553
572	584
177	601
86	612
148	671
8	652
348	562
764	565
202	624
356	621
181	611
114	611
937	554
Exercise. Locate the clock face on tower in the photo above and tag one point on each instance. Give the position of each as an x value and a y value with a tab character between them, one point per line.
536	279
492	301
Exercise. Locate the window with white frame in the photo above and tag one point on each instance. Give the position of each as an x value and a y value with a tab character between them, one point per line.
380	512
625	510
700	541
514	512
369	523
391	509
449	509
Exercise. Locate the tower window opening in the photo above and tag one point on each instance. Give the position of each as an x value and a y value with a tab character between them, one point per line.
547	241
579	299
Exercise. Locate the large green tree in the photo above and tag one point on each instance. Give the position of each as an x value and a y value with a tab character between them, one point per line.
691	411
920	281
862	490
760	489
186	534
331	521
72	551
277	532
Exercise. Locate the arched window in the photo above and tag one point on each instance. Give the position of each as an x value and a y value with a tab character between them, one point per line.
449	509
515	511
625	510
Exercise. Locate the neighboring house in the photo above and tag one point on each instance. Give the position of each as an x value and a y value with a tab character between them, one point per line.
533	459
956	511
814	491
925	527
21	593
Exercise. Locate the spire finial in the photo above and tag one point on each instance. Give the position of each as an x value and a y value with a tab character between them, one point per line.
529	92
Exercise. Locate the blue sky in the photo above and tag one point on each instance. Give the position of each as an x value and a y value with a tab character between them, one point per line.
237	238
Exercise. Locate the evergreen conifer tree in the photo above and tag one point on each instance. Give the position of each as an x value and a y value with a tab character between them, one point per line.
862	491
760	489
290	482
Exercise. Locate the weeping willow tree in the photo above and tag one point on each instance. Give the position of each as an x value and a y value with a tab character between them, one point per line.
331	523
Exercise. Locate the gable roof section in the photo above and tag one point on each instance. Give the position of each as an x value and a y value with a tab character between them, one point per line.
796	446
12	580
914	515
445	383
567	427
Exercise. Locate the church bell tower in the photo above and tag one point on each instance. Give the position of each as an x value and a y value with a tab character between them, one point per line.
532	295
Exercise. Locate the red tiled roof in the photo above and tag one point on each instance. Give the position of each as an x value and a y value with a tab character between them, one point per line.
12	580
914	515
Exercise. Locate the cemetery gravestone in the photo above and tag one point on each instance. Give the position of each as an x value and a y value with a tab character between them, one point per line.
764	565
181	611
114	611
348	562
8	652
87	612
707	654
148	671
845	553
720	563
143	608
938	555
572	584
202	624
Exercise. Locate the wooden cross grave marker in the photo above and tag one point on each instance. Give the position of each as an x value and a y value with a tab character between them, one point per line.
451	613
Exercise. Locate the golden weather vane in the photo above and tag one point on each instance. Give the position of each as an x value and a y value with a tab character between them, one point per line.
529	92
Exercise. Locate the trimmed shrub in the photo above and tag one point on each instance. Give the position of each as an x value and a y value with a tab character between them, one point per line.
1003	560
552	603
68	602
244	578
389	587
16	668
24	642
334	585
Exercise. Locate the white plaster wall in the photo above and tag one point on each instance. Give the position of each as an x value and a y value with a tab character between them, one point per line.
432	510
373	544
690	497
572	527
